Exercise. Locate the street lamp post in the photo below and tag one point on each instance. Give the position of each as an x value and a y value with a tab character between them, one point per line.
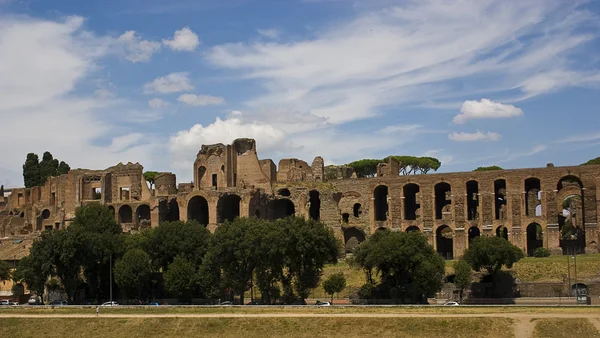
110	277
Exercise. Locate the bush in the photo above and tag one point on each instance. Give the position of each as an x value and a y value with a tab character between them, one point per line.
541	252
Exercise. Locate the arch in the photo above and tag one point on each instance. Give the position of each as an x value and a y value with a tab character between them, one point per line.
500	199
284	192
502	232
281	208
346	217
413	228
314	211
473	233
472	200
443	197
352	238
142	213
45	214
571	214
535	238
444	242
201	172
411	203
569	181
125	214
173	211
22	214
197	210
532	197
228	208
381	203
356	209
579	289
382	229
257	213
18	290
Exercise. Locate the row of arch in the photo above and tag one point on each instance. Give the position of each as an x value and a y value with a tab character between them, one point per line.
443	198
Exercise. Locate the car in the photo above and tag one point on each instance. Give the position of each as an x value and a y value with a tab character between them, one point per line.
8	302
451	303
320	303
226	303
34	300
110	304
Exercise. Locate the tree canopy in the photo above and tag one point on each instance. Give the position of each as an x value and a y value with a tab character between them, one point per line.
488	168
400	265
462	276
35	173
4	271
150	177
132	273
335	283
592	161
491	253
365	167
409	165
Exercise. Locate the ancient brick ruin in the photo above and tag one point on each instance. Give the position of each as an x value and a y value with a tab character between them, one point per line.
525	206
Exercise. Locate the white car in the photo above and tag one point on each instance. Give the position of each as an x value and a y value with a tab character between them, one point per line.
110	304
319	303
451	303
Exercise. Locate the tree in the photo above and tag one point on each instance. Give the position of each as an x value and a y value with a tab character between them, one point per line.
365	167
405	264
336	283
30	272
489	168
412	165
132	273
462	276
171	239
309	245
491	254
592	161
150	177
31	171
4	271
181	279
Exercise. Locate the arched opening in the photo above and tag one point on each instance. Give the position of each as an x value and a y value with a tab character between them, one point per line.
500	199
381	203
532	197
352	238
411	203
201	172
443	198
473	233
257	213
413	228
356	209
472	200
314	210
22	214
281	208
45	214
381	229
535	238
571	218
228	208
142	213
173	211
445	245
579	289
284	192
345	217
18	290
502	232
125	214
197	210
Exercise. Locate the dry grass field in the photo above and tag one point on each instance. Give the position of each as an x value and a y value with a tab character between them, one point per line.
560	328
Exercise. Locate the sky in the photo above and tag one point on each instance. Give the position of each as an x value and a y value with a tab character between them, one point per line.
471	82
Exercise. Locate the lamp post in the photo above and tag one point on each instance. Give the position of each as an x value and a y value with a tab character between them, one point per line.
110	277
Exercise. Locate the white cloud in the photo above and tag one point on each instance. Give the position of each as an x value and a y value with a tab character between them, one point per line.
183	40
409	54
135	49
42	63
581	138
200	100
270	33
472	137
485	109
157	103
400	128
172	83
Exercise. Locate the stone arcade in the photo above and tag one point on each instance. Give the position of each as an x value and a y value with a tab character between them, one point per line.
525	206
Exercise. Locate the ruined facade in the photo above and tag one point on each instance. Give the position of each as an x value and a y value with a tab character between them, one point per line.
524	206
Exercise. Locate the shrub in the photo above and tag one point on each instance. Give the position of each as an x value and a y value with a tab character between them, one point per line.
541	252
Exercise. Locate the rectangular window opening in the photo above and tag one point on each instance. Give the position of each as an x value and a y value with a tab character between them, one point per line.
124	194
214	180
96	193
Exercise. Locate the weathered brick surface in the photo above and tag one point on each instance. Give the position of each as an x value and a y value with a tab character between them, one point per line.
258	183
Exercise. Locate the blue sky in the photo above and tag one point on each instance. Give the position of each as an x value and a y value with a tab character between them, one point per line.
471	82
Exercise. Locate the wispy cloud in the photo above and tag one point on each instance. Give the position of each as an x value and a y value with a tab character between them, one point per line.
172	83
473	137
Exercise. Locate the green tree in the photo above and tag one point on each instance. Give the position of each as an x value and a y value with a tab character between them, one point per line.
181	279
31	272
491	254
269	251
171	239
48	167
404	263
365	167
336	283
150	177
63	168
4	271
462	276
31	171
592	161
489	168
309	245
132	273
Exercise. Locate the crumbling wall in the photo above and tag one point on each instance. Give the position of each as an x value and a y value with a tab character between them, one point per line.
293	170
249	170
